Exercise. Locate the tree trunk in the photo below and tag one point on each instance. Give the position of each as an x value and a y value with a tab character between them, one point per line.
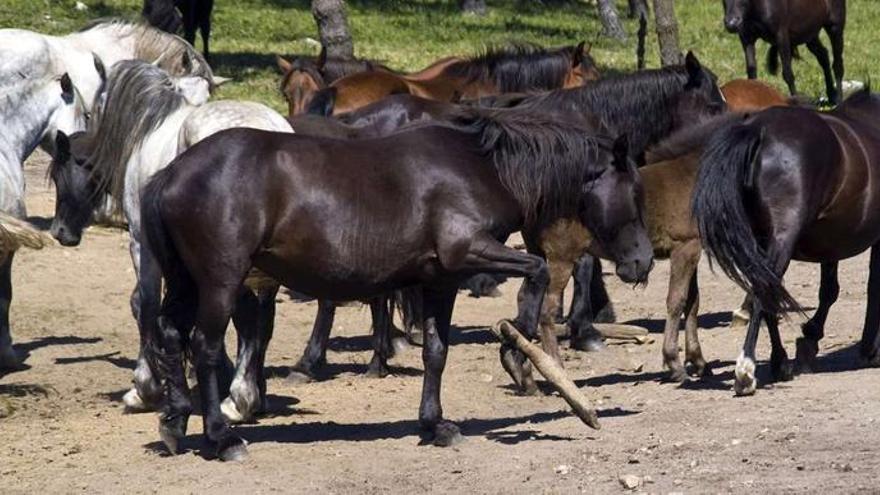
610	20
477	7
333	27
667	32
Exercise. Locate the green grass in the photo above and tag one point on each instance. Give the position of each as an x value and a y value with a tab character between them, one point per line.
408	34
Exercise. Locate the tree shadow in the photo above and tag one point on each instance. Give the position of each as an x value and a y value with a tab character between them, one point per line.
111	357
707	321
23	390
25	349
242	66
331	371
655	376
471	334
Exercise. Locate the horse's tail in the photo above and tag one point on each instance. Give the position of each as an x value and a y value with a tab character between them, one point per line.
157	248
16	234
642	34
728	170
409	303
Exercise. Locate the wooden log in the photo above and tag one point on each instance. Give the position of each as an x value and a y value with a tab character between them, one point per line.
554	374
616	331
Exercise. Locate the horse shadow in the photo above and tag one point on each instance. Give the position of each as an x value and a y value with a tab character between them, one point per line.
25	349
23	390
705	321
328	431
111	357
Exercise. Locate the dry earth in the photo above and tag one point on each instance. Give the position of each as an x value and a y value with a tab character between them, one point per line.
63	427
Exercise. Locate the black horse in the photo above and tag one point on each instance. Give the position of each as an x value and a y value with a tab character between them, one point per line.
351	219
191	15
785	24
793	183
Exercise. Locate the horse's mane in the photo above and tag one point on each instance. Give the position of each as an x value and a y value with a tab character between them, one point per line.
542	159
516	67
140	96
152	44
691	139
638	104
335	68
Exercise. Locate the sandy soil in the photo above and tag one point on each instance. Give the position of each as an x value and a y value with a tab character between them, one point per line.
63	427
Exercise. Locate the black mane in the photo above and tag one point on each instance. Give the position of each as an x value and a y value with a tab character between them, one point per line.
518	67
640	105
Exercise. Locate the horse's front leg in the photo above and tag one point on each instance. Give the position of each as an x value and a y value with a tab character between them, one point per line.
438	304
748	45
683	265
814	329
315	354
382	350
8	358
835	34
560	271
587	300
785	55
821	53
146	395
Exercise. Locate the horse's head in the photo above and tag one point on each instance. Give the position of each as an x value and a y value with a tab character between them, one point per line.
701	98
734	14
583	67
71	113
302	79
612	206
76	195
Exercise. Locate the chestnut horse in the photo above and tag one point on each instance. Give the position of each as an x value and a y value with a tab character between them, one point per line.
793	183
785	24
316	215
511	69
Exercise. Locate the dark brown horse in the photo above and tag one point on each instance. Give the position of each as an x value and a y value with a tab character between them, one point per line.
514	68
785	24
355	218
793	183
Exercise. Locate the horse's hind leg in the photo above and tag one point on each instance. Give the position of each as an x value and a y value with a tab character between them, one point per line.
821	53
382	350
745	382
315	353
205	25
870	345
147	391
814	329
254	320
780	366
8	358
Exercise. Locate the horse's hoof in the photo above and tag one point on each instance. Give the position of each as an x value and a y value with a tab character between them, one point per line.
739	318
171	431
677	374
297	377
233	450
377	371
230	411
9	359
135	404
447	434
529	388
589	344
701	369
783	372
745	382
805	359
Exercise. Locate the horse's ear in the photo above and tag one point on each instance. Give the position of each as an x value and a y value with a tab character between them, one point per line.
322	58
577	58
66	87
284	65
323	102
99	67
62	147
186	62
693	67
620	150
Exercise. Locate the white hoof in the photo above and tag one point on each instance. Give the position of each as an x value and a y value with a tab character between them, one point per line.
230	411
739	318
745	382
134	403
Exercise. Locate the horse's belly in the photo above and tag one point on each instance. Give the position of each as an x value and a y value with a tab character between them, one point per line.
827	241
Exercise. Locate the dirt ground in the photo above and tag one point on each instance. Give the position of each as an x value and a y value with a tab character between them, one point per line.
63	427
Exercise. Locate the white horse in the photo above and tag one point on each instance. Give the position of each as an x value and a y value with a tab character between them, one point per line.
33	109
147	119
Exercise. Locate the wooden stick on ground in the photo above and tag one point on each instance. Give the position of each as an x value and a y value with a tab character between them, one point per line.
616	331
505	330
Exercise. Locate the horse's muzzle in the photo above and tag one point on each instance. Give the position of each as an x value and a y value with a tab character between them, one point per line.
64	237
635	271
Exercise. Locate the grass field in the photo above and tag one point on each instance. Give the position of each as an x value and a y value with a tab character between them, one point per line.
408	34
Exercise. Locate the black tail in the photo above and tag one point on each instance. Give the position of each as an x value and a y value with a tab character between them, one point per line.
727	169
157	248
642	34
409	302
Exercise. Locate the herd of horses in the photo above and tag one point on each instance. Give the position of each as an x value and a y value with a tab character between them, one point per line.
393	189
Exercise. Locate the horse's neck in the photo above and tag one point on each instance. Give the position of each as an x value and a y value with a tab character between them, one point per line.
78	62
25	122
111	43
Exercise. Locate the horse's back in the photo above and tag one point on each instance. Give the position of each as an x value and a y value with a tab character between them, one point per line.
749	94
